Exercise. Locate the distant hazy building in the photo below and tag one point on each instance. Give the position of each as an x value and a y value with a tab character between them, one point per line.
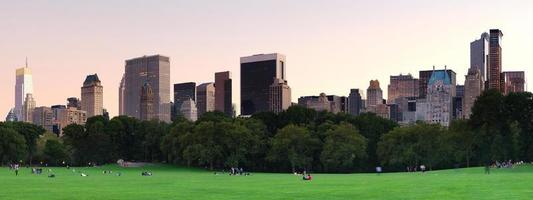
423	80
188	110
205	98
73	102
374	94
495	60
11	116
457	102
402	86
154	70
439	98
473	87
121	96
318	103
338	103
92	96
258	72
355	103
279	96
223	93
479	55
43	116
23	86
27	109
513	82
147	102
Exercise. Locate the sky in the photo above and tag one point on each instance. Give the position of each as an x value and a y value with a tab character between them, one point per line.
331	45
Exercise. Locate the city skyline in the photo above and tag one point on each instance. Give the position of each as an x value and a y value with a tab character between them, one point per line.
336	63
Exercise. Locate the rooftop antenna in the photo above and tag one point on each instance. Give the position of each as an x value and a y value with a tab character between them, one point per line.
26	61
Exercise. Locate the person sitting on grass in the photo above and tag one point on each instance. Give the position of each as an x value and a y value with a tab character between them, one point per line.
307	177
52	175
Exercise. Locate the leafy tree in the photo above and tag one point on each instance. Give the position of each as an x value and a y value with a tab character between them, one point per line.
294	145
172	144
30	132
343	147
461	141
55	152
12	145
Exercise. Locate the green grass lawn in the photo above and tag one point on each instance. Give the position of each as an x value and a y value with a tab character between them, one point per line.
182	183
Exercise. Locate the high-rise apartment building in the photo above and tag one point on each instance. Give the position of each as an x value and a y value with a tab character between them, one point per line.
154	70
43	116
188	110
92	96
473	88
423	80
318	103
258	72
513	81
74	102
402	86
23	86
355	103
279	96
479	55
67	116
27	108
223	93
495	60
205	98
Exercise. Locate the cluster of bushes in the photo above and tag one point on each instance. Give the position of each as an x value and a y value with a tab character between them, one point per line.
500	128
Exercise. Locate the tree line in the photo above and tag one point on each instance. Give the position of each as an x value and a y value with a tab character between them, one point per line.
500	128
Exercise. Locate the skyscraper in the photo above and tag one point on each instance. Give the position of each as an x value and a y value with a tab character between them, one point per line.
279	96
355	104
495	59
92	96
223	93
258	72
27	108
402	86
205	98
374	94
147	102
473	88
513	82
182	93
23	86
154	70
439	98
479	55
423	80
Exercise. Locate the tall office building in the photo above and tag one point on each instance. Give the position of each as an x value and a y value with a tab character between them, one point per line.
223	93
23	86
513	81
472	89
43	116
154	70
439	98
147	102
182	93
258	72
355	103
374	94
27	108
121	95
205	98
495	60
92	96
279	96
457	102
423	80
479	55
402	86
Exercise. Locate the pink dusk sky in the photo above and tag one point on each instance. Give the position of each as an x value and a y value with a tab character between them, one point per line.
331	45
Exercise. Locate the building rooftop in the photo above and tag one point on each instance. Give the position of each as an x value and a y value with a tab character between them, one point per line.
91	79
440	75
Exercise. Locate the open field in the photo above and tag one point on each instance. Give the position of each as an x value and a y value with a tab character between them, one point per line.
181	183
